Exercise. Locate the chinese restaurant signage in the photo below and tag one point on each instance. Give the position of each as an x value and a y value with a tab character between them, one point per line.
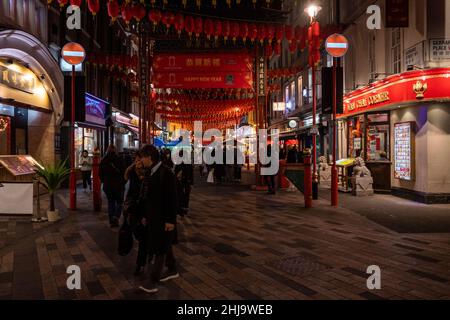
408	87
403	150
239	62
17	80
261	76
21	85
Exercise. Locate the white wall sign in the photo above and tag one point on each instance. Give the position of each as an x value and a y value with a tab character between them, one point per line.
414	56
439	49
16	198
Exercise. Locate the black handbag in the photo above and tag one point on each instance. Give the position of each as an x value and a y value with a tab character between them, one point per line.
125	243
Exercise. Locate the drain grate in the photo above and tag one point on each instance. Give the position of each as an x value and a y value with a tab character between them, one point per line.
298	266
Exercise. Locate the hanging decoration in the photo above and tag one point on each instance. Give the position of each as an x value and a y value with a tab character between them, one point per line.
208	28
189	25
243	31
198	26
217	29
94	6
76	3
127	13
139	11
62	3
179	23
113	9
155	17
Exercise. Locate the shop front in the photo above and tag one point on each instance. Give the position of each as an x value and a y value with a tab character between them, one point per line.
126	131
400	126
30	102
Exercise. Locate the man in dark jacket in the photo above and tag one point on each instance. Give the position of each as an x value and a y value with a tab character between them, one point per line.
111	174
184	173
159	206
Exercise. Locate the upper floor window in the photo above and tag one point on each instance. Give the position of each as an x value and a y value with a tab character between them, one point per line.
396	56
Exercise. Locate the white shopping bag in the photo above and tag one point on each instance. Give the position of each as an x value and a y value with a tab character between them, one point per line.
210	177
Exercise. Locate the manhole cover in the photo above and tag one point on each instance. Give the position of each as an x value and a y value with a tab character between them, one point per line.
298	266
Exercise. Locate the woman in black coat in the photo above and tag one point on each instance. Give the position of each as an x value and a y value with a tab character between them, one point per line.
135	175
159	205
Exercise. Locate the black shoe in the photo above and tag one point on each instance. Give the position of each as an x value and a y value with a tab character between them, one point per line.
149	287
169	275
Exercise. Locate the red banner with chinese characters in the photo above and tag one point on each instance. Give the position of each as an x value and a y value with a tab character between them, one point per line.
401	89
185	80
209	63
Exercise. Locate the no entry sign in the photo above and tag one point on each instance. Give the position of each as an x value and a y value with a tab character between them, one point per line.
336	45
73	53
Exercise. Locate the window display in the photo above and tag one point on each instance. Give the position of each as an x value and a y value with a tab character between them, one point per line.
404	139
355	136
378	137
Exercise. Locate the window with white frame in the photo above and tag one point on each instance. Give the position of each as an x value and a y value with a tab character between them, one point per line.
310	86
299	91
396	56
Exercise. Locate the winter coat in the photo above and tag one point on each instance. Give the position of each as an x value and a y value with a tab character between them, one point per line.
159	205
111	172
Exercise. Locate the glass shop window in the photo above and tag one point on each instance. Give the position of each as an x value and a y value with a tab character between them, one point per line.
378	137
356	137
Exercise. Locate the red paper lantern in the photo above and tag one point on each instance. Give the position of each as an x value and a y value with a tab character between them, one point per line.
270	32
217	29
243	32
292	46
168	19
252	31
94	6
179	23
189	25
139	12
154	16
262	32
113	9
75	3
226	29
127	13
298	33
198	26
289	33
234	30
209	28
279	32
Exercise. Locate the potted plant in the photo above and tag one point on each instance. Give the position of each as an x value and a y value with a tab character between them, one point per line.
52	177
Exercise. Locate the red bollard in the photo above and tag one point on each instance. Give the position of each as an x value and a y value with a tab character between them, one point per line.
308	180
96	183
334	186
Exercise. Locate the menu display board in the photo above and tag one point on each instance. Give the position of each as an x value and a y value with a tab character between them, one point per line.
19	165
403	151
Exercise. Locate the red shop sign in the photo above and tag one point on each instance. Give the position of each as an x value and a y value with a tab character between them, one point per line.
408	87
234	80
239	62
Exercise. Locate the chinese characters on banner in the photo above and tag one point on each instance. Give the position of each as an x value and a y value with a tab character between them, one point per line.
261	76
203	71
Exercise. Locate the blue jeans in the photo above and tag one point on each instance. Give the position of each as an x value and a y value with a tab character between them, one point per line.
115	204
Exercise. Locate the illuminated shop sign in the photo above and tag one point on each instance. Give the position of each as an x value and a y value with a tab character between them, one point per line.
403	151
17	80
408	87
95	110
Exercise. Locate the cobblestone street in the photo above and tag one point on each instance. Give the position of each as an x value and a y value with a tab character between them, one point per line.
254	247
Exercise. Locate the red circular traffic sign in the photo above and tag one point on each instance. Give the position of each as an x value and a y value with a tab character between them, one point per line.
73	53
336	45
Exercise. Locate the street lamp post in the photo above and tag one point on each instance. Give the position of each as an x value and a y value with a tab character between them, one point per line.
314	57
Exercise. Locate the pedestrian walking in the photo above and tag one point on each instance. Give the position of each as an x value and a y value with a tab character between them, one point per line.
185	176
85	163
135	175
270	179
159	205
111	174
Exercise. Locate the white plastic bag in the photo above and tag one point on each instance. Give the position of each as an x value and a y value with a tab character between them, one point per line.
210	177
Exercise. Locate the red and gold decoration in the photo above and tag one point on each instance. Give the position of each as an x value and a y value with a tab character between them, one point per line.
113	9
93	6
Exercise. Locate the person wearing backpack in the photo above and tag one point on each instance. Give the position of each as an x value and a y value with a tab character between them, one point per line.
111	172
159	206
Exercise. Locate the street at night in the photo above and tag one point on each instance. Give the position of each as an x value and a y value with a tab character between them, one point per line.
252	152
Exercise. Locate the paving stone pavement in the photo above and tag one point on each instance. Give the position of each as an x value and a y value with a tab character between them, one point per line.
234	244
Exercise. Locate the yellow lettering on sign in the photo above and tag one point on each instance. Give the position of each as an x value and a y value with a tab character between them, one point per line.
369	101
189	62
207	62
216	62
198	62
